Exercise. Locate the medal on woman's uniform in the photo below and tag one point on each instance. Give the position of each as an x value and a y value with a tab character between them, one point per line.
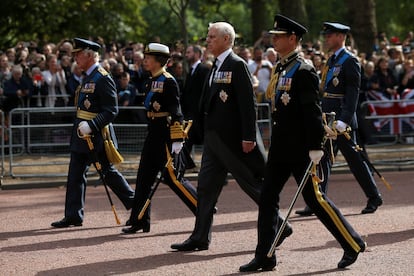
335	81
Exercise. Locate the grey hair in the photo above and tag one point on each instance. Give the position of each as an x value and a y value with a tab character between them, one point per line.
93	53
224	28
17	68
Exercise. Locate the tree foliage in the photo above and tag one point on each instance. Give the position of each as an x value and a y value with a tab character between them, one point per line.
182	20
53	20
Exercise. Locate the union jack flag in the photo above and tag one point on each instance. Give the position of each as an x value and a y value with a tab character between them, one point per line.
397	105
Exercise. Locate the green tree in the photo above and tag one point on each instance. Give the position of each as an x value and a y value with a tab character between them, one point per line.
53	20
187	20
362	19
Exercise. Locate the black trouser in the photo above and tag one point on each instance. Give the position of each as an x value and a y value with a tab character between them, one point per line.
217	161
356	162
149	166
277	174
76	184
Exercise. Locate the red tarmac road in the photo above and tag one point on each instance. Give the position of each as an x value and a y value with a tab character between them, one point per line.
29	246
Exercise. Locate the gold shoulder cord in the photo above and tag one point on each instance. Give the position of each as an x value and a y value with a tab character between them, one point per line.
271	88
75	103
323	78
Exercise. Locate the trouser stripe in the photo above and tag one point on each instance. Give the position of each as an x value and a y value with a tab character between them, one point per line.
179	185
337	221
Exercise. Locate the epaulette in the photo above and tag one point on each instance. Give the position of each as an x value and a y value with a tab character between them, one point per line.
305	66
102	71
167	75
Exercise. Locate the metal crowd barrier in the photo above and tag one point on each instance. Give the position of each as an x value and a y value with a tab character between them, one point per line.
37	144
39	138
391	121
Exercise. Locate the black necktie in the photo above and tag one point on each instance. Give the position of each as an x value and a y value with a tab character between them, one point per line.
331	61
213	71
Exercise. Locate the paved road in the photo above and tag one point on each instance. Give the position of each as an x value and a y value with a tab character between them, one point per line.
30	247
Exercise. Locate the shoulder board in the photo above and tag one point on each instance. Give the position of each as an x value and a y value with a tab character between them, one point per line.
167	75
102	71
305	66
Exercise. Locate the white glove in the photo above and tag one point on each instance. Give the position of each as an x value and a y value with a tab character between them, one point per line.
176	147
340	126
84	128
315	155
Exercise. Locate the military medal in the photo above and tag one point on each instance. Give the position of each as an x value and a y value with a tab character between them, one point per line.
86	103
285	98
336	71
223	96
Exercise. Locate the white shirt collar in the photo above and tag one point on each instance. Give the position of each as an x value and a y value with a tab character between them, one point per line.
338	51
194	66
89	71
222	57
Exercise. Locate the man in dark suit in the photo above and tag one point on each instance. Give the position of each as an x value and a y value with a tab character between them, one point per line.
228	105
191	95
297	140
341	80
97	106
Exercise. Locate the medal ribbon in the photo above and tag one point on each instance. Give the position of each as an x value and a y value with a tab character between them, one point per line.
147	102
288	74
95	77
327	76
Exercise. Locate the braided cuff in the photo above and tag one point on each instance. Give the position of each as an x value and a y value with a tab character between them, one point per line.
176	131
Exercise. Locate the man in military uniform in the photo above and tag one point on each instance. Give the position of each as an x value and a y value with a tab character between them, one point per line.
297	139
97	107
340	85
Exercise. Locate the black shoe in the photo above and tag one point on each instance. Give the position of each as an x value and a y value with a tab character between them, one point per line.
372	205
65	222
305	212
190	245
135	228
286	233
128	223
256	264
350	257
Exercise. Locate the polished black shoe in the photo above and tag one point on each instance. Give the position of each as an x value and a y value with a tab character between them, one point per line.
305	212
286	233
350	257
65	222
135	228
190	245
372	205
128	223
256	264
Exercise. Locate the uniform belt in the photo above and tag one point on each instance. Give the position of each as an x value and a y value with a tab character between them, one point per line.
85	115
151	114
333	96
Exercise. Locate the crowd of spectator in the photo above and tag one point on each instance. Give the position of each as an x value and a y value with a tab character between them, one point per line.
34	75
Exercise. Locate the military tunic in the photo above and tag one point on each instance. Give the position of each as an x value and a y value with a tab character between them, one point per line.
340	95
164	127
96	103
297	129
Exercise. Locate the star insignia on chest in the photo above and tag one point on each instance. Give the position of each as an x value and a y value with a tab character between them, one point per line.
285	98
223	96
87	104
